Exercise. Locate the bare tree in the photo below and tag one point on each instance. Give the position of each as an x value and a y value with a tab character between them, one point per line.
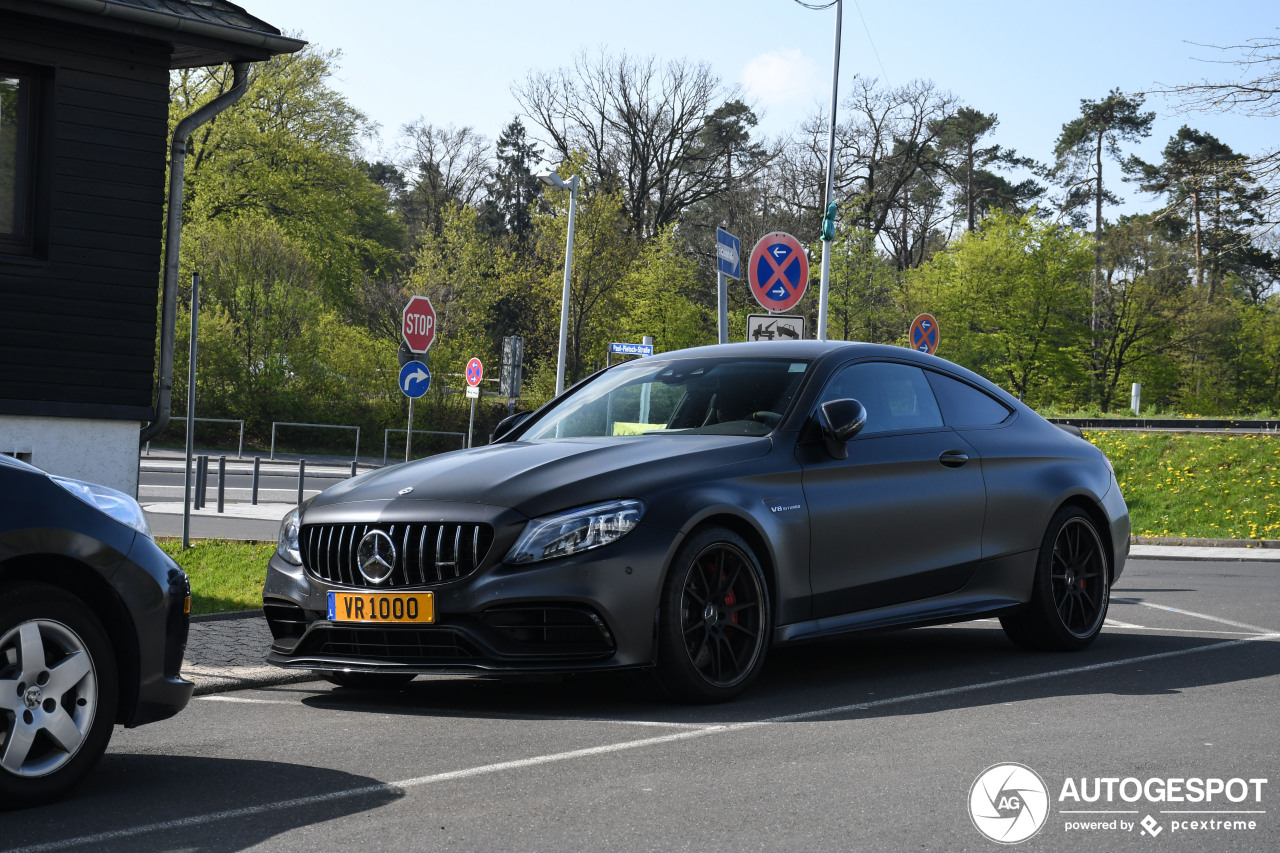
886	157
641	125
1255	92
444	164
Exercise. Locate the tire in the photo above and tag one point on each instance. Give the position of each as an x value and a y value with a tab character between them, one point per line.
368	680
58	693
714	619
1071	590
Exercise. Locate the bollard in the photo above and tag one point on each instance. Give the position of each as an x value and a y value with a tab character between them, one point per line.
257	472
202	479
353	467
222	483
302	476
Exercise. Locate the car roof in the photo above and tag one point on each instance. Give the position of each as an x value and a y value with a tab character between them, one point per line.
837	351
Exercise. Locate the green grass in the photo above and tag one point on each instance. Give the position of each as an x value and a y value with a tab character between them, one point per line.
1215	486
224	575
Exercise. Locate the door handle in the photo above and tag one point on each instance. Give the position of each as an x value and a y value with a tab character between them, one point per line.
953	458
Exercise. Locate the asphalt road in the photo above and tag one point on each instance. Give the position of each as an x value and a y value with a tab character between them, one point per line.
870	743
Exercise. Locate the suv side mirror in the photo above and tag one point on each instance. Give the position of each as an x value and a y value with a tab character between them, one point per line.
841	421
507	424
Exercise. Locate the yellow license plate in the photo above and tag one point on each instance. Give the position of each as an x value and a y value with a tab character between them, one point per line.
413	608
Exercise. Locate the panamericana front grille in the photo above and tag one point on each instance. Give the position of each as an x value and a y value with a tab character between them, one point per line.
425	552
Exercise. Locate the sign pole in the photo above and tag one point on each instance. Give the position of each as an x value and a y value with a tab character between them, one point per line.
722	297
408	433
191	412
472	425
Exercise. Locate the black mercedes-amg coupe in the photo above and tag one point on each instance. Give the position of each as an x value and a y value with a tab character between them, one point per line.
687	511
93	625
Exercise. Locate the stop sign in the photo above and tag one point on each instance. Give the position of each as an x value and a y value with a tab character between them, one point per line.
419	324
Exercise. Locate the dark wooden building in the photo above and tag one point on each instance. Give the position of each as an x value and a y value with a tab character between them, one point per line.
84	142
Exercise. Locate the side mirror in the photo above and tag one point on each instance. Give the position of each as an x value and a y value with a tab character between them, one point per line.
841	421
507	424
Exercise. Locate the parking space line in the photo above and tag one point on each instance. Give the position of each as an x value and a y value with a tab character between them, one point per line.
621	746
1197	631
1192	613
1018	679
1118	624
246	701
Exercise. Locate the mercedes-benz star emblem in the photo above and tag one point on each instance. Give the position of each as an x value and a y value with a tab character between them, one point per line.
376	556
406	490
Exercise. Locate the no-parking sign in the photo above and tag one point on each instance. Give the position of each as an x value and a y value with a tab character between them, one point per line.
778	271
924	334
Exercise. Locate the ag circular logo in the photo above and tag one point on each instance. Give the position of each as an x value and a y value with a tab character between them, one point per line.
1008	803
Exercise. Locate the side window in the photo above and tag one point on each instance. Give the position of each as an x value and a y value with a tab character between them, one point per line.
964	405
17	145
896	396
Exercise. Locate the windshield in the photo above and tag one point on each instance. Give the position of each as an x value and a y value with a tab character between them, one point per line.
695	396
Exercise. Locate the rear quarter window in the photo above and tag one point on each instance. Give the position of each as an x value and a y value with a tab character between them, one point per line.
963	405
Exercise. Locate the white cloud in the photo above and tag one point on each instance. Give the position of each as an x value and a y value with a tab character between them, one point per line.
781	78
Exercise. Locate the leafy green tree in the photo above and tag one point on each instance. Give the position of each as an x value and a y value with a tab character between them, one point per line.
1101	127
513	186
1146	307
603	253
656	296
969	164
289	151
1212	196
863	301
1010	298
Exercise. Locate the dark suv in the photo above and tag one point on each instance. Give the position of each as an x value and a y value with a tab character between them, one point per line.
93	625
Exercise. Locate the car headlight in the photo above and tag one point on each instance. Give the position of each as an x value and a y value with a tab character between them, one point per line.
287	543
118	505
575	531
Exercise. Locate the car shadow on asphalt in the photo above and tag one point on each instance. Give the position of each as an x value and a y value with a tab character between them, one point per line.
885	674
128	791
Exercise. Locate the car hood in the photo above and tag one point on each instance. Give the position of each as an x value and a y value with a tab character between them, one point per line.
535	478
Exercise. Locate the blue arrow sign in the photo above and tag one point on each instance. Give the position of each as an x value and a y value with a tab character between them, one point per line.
728	254
415	379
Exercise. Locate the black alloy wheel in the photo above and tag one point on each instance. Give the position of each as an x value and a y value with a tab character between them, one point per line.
1072	588
715	619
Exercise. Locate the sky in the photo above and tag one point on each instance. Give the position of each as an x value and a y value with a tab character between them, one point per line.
1031	62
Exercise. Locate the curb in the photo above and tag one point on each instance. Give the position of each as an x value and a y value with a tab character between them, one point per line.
1204	543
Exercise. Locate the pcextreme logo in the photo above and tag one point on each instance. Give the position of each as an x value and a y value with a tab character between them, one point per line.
1009	803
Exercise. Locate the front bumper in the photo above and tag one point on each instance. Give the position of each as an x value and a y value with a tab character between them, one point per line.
592	611
159	610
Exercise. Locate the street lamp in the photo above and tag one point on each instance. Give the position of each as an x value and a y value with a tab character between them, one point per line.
552	179
824	282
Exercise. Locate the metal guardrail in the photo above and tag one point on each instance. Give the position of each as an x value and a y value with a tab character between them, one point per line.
386	438
183	421
1171	424
275	424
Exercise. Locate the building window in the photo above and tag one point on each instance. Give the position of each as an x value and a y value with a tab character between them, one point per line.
17	172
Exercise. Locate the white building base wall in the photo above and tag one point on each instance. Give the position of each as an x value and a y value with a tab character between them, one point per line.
100	451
